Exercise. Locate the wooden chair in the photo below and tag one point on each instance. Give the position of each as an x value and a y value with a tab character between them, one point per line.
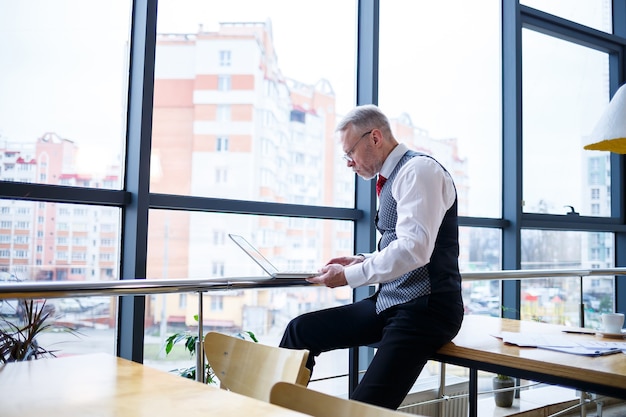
318	404
251	368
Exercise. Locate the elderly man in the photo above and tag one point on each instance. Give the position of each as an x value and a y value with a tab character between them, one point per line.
418	305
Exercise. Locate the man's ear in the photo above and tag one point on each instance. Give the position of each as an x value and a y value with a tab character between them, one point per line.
377	136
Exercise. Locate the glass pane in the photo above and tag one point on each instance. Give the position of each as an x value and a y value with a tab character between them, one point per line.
558	299
62	242
63	102
592	13
196	245
598	298
447	104
246	103
565	90
59	242
481	250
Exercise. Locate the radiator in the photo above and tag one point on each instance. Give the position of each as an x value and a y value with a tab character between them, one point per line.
419	399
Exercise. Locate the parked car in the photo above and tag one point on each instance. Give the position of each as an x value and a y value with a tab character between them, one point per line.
69	305
8	277
9	308
48	308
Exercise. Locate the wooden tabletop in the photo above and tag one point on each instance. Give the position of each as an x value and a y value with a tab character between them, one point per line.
475	346
103	385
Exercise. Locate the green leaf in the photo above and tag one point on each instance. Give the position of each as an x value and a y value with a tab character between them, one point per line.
252	336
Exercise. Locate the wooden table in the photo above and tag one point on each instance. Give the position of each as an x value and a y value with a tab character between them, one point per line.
103	385
475	347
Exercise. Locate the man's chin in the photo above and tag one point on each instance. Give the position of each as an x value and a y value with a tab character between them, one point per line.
364	176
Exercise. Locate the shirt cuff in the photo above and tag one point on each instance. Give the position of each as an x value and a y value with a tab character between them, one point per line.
355	275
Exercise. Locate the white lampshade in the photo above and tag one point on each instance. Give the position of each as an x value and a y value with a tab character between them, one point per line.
610	132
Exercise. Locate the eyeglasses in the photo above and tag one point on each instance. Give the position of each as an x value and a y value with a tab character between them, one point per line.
346	156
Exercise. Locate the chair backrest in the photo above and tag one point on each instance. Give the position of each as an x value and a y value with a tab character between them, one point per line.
318	404
251	368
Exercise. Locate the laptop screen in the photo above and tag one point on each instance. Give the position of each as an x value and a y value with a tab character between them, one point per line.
254	254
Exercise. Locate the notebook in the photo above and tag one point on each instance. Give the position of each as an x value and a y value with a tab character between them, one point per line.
264	263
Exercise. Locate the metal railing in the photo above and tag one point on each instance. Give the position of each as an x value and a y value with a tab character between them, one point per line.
63	289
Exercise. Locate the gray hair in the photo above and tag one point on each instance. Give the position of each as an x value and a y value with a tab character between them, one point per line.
365	117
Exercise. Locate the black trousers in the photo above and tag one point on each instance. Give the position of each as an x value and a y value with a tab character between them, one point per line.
406	336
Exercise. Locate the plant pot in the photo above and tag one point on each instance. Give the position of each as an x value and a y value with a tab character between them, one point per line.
504	398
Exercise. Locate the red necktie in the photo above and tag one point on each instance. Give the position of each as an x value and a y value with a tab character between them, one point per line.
379	184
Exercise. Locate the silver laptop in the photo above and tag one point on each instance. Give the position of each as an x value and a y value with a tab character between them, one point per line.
264	263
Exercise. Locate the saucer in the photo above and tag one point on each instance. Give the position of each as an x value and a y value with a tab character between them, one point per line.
620	335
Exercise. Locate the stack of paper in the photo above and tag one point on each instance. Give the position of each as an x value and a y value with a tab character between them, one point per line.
563	343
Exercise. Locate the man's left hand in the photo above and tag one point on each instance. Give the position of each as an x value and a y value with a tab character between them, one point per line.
332	276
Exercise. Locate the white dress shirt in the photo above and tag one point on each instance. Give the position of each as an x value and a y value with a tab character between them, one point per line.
424	191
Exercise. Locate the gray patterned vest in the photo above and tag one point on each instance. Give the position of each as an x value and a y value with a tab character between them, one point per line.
441	274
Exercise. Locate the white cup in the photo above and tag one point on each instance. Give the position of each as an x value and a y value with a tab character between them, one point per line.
613	322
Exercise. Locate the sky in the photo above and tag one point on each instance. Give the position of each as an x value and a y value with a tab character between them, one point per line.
64	74
68	67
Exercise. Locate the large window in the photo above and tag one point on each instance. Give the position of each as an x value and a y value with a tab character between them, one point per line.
441	85
64	88
573	301
195	245
565	87
264	75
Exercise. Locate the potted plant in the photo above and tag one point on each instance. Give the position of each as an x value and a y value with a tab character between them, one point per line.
189	340
503	398
18	342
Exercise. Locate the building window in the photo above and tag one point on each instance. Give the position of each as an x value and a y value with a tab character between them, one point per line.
222	144
217	269
595	193
223	113
106	257
224	59
21	239
223	83
79	256
23	225
80	227
221	175
218	237
297	116
217	303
